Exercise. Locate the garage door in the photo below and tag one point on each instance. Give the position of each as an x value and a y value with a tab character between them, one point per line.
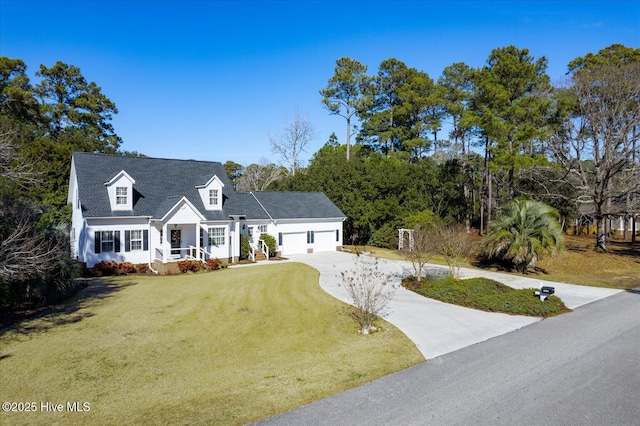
324	241
294	243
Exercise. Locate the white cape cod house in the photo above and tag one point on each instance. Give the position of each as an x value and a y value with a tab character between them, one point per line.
157	211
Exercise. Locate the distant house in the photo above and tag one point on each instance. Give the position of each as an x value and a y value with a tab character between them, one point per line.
158	211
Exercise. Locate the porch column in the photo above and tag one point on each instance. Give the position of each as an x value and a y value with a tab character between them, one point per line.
197	244
163	243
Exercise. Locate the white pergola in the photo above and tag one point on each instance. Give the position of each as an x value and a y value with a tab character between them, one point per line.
401	233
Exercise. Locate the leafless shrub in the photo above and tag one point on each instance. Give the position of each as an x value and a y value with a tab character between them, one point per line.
370	290
453	242
424	247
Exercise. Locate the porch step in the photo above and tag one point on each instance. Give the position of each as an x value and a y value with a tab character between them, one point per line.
260	256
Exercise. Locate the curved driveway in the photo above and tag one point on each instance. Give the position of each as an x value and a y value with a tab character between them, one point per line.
438	328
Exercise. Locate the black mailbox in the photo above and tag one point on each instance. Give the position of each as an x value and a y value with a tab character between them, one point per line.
545	291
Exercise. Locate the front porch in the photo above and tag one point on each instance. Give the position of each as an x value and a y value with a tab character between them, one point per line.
176	254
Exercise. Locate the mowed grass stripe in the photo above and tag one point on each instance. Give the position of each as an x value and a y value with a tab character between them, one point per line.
226	347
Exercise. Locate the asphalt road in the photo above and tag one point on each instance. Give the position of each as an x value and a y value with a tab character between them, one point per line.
580	368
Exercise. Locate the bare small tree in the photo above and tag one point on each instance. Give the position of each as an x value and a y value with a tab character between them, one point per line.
455	245
28	256
14	168
292	140
424	247
598	143
258	177
370	290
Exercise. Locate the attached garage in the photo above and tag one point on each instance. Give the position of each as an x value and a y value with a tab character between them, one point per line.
294	243
325	241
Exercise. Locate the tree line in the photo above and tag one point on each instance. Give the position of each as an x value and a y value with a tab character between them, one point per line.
41	125
509	133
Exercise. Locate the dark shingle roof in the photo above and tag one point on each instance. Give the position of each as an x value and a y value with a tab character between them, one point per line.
243	204
292	205
161	183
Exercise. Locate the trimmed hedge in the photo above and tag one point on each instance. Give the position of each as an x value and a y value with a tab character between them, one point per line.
487	295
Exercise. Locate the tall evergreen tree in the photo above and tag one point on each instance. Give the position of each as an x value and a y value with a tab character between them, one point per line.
512	106
343	94
74	115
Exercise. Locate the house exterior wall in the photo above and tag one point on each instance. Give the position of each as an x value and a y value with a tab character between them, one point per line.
325	229
77	225
87	250
222	251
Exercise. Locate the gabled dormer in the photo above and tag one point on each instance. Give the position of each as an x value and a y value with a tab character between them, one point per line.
211	193
120	190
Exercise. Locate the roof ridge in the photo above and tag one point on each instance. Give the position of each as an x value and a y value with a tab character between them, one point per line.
145	157
263	208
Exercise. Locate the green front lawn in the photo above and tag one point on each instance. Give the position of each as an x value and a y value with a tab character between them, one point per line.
227	347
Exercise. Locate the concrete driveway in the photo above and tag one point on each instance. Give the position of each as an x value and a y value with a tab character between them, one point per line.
438	328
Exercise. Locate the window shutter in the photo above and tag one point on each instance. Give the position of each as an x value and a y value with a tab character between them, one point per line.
97	247
145	240
127	240
116	241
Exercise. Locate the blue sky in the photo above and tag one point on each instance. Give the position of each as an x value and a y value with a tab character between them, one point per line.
209	79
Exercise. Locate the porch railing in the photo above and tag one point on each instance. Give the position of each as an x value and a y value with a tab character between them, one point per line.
182	253
261	246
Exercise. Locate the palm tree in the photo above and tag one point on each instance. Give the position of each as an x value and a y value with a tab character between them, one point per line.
526	230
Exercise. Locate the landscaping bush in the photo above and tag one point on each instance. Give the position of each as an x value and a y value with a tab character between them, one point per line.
245	247
104	268
213	264
189	265
108	268
142	268
270	242
487	295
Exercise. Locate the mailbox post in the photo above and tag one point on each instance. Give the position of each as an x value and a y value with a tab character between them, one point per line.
544	292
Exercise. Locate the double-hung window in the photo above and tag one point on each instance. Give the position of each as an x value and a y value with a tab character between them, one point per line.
213	197
121	195
310	237
107	242
216	236
262	229
136	240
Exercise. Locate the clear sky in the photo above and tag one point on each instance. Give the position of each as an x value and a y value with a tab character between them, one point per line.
208	79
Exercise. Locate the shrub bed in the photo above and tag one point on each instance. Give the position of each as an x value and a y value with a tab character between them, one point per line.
106	268
189	265
211	264
487	295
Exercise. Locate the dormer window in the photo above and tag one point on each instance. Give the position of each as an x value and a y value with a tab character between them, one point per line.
120	191
213	197
121	195
211	194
